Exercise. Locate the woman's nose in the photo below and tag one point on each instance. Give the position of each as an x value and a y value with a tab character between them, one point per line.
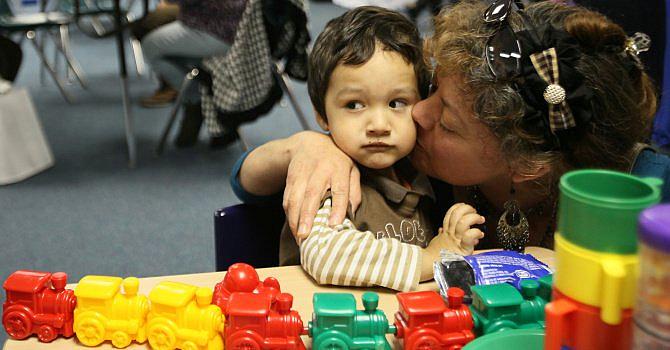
426	112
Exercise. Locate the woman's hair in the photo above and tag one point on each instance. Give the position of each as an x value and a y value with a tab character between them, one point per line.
352	39
623	96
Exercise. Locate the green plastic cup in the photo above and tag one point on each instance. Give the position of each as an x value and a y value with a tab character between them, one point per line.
516	339
598	209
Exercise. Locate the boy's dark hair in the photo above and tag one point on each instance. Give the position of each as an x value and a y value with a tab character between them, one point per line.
352	38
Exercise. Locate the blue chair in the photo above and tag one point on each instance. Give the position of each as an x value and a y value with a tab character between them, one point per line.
247	233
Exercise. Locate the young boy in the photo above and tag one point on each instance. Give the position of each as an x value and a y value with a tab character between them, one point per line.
365	73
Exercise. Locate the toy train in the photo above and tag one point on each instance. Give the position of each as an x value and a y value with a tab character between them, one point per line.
246	313
501	307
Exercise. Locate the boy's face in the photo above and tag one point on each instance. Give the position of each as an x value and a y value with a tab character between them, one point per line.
369	109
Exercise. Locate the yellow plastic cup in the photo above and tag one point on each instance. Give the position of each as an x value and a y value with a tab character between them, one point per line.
603	280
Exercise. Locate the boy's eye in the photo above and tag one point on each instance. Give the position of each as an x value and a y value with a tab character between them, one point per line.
354	105
397	104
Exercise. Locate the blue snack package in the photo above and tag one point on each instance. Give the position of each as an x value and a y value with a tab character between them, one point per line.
506	267
455	270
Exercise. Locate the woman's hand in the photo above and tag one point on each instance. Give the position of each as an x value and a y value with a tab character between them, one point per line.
317	165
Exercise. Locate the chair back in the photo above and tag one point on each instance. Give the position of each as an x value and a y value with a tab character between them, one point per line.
247	233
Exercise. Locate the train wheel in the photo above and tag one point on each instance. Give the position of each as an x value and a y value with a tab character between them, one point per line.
189	345
46	333
120	339
161	337
332	344
90	331
244	343
426	343
17	324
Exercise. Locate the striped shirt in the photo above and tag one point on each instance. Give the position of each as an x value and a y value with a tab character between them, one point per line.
342	255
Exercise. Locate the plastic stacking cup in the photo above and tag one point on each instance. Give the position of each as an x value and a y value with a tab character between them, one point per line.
602	280
598	209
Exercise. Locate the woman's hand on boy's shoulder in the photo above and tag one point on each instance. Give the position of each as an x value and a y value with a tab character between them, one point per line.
316	166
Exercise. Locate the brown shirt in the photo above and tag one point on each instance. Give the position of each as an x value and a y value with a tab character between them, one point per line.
387	209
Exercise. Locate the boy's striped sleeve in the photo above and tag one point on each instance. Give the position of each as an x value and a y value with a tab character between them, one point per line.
342	255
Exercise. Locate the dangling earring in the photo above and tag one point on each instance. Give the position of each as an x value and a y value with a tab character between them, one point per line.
513	230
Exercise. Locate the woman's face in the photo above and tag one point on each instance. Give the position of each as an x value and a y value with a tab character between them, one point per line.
452	144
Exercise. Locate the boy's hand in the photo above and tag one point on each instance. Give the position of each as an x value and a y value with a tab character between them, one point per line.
456	233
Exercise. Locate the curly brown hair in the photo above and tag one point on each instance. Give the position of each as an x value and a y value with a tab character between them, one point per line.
623	103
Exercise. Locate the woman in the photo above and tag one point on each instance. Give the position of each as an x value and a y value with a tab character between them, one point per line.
487	131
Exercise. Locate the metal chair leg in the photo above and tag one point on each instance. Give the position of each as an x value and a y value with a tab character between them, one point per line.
62	44
75	67
129	125
95	21
123	73
139	57
244	143
188	80
42	68
284	84
56	61
40	52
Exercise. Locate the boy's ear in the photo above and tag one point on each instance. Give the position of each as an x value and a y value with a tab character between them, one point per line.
321	121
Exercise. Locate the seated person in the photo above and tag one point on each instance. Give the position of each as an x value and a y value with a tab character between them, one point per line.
203	28
365	73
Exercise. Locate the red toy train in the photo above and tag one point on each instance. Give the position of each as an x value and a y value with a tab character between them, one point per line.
253	322
38	303
424	321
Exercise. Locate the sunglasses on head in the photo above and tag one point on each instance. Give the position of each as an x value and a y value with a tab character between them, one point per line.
503	50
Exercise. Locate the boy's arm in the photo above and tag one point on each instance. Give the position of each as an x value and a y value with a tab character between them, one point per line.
345	256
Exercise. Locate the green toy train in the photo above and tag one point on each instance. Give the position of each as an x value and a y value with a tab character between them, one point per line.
501	307
337	325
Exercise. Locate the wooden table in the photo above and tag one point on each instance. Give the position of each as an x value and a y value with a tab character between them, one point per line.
292	279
